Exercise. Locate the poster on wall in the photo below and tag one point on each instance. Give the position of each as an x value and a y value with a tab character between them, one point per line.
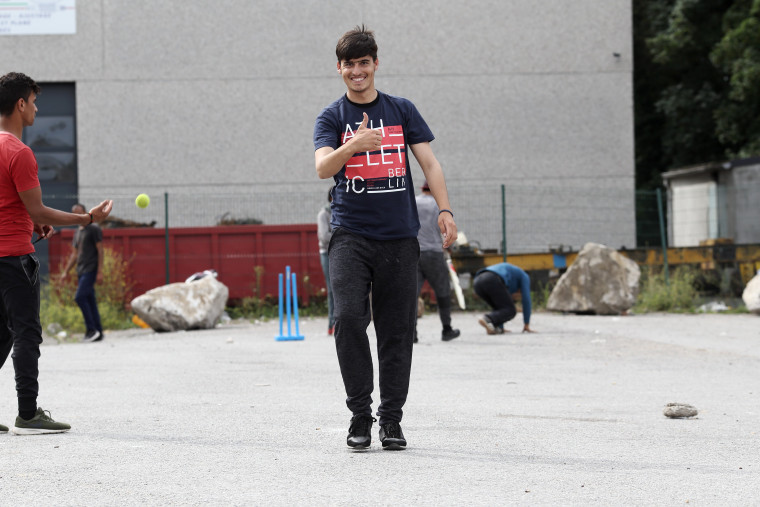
38	17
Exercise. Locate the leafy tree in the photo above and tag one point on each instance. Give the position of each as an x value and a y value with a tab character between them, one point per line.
697	83
737	55
649	18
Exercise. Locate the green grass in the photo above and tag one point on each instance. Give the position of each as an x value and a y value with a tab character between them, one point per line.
737	310
679	295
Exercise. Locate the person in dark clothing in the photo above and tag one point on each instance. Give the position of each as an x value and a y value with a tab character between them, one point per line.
362	141
88	254
495	285
324	233
432	264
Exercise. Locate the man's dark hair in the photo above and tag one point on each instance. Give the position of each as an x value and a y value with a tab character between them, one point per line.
14	86
356	43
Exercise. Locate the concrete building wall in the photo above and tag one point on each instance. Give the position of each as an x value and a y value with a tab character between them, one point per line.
214	103
745	192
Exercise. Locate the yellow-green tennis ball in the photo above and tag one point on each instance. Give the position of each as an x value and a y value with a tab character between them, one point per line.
142	201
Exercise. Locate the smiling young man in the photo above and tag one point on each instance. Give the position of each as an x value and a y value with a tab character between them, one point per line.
362	140
21	213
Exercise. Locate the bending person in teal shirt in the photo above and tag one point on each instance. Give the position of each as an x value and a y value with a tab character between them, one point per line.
495	285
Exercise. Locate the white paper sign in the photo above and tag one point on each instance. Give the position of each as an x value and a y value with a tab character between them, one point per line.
38	17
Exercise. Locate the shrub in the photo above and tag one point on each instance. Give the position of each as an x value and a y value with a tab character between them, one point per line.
540	294
266	306
679	295
254	308
114	293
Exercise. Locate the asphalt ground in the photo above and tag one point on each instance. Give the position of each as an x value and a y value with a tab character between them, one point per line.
571	415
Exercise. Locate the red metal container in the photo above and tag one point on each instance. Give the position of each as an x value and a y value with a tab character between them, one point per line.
235	252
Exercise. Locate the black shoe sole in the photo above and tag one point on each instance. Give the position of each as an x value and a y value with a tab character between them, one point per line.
394	446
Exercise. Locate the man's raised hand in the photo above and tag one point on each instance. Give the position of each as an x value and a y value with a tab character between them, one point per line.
366	139
101	211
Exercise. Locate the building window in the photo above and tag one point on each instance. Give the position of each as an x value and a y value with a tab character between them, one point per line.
53	139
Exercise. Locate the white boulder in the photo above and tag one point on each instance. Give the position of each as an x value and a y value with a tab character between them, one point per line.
182	306
751	294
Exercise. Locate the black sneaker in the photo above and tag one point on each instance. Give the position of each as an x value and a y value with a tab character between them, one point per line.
392	437
92	336
415	337
3	429
359	432
450	334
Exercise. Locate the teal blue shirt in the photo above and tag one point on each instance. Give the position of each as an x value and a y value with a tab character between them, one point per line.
515	279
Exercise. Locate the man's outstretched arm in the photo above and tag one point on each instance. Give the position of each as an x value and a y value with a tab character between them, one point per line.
41	214
437	183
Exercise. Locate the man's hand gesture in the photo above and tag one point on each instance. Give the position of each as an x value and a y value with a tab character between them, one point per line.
101	211
366	139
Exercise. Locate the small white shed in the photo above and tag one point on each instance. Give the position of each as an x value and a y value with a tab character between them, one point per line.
717	200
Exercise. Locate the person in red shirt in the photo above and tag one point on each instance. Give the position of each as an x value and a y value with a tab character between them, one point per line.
22	213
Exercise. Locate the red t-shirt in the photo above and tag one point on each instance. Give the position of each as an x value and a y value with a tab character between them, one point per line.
18	172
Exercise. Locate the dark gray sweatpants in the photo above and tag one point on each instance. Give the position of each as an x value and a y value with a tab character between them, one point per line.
433	268
387	269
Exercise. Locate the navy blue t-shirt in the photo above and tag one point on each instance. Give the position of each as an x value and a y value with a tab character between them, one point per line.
374	193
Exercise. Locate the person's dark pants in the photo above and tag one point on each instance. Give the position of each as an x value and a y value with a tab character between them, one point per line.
85	298
324	258
387	269
433	268
491	288
20	324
